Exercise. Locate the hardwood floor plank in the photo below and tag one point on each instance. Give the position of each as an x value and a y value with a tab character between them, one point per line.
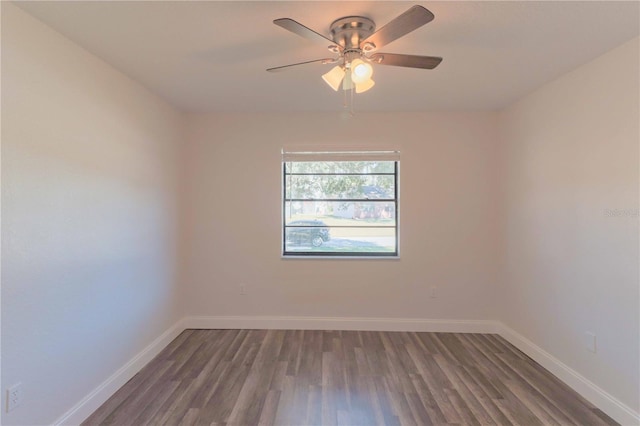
429	403
462	408
209	378
159	397
119	397
177	407
292	350
456	377
485	398
248	404
517	411
401	408
390	416
313	415
183	359
296	377
573	407
269	409
518	389
329	409
362	362
285	410
277	381
190	417
495	364
418	410
472	399
515	414
310	365
438	383
367	388
221	403
130	407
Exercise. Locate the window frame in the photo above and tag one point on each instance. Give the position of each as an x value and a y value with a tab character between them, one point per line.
353	156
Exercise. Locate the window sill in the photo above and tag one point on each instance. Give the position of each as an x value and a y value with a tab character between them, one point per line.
302	257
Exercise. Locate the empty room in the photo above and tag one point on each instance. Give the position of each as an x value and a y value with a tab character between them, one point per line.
320	213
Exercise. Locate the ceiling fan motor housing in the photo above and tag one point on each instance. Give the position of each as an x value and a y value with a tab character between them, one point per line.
350	31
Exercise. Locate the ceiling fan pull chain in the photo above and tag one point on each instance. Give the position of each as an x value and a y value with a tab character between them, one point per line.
352	99
345	104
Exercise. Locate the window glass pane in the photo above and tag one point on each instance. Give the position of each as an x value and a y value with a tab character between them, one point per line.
340	208
340	240
340	167
341	186
336	213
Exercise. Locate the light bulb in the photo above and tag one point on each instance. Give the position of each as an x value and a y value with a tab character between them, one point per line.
360	71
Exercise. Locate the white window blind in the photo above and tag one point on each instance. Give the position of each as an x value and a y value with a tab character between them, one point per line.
337	155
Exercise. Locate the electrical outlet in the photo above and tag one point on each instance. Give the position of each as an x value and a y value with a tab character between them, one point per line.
590	342
14	396
243	289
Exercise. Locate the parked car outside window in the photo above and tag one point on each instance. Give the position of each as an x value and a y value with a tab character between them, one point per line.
304	232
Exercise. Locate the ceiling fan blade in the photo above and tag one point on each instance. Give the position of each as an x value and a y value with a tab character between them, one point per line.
321	61
297	28
410	61
410	20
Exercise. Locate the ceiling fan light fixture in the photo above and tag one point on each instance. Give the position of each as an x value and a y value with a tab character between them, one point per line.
361	71
363	87
334	77
347	82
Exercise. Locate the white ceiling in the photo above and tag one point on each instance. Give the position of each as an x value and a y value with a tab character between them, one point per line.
212	55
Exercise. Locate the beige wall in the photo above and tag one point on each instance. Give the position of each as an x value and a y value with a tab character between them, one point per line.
448	218
571	180
88	219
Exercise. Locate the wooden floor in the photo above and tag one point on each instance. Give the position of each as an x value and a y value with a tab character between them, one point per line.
260	377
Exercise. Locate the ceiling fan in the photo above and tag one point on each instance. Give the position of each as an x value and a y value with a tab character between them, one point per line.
355	41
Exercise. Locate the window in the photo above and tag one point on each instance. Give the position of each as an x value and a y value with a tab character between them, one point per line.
340	203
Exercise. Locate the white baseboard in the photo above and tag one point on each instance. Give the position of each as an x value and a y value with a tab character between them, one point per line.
85	407
589	390
331	323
